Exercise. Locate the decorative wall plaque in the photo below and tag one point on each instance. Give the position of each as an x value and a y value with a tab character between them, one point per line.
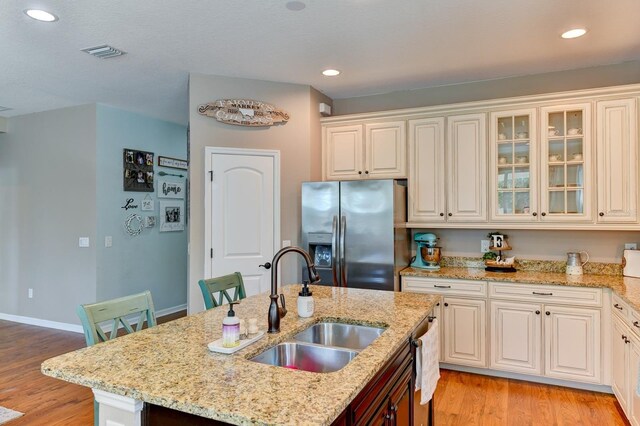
244	112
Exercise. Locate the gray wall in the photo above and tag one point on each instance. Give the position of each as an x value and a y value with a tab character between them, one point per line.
48	193
299	154
153	260
585	78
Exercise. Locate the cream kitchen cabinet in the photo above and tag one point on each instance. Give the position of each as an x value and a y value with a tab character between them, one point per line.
360	151
516	337
617	155
513	165
625	358
566	164
447	181
426	185
546	330
464	340
462	315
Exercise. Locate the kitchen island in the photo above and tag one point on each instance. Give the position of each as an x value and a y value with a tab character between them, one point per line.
170	365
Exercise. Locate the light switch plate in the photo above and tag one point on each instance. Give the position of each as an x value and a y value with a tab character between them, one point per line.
484	246
108	241
286	243
83	242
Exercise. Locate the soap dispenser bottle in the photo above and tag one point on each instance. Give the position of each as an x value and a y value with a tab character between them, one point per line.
306	304
231	328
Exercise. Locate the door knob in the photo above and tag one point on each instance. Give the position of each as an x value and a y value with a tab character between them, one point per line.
267	265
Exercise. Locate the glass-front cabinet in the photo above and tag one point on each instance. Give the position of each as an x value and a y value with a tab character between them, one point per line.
565	163
513	165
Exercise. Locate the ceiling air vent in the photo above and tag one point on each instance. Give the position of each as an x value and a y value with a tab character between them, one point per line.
4	108
103	52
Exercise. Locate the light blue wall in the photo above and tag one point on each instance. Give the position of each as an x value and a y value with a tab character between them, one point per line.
153	260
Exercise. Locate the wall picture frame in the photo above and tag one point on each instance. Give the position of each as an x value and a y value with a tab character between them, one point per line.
137	170
172	216
173	163
147	204
169	188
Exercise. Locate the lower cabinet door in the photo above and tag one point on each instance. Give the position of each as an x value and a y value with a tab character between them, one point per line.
572	343
465	331
619	362
516	337
400	406
634	399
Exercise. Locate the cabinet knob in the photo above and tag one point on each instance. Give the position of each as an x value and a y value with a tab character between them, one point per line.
543	214
537	312
450	214
636	324
441	214
438	304
623	337
366	172
359	172
548	313
601	214
534	214
446	304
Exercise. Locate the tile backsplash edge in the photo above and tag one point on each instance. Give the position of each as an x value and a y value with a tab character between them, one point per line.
596	268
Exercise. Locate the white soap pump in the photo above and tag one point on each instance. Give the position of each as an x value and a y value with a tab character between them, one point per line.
231	328
306	304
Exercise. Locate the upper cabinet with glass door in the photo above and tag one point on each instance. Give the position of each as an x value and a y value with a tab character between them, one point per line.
566	162
513	148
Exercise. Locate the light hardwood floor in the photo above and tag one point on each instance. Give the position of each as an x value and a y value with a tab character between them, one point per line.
461	398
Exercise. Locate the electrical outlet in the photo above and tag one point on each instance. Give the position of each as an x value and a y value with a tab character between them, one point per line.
484	246
30	293
83	242
631	246
108	241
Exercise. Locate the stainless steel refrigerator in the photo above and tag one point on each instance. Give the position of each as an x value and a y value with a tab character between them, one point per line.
354	231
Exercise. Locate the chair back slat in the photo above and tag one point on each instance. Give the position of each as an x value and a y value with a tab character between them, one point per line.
220	288
116	311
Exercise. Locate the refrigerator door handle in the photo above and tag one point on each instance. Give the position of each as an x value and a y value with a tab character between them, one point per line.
343	263
334	251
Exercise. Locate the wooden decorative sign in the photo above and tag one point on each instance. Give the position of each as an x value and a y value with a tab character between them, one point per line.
244	112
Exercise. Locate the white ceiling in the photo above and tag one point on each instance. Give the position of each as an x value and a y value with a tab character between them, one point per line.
380	46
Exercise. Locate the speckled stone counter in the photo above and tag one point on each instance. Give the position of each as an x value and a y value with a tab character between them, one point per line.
170	365
625	287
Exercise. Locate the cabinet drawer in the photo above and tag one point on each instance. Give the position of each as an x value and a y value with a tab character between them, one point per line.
448	287
580	296
620	307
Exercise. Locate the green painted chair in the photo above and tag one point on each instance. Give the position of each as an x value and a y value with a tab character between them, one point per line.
116	311
219	287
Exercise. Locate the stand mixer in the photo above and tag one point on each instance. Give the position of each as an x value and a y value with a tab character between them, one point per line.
427	254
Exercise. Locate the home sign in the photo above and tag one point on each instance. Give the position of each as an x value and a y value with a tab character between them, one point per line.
244	112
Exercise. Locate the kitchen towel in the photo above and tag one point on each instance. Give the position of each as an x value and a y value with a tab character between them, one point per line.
427	363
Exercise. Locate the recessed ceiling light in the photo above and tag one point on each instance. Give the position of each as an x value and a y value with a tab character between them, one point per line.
41	15
574	33
330	73
295	6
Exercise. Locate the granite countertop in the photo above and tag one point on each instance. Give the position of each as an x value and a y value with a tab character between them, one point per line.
170	365
626	287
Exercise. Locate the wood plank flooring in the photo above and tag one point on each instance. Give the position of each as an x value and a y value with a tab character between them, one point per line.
471	399
461	398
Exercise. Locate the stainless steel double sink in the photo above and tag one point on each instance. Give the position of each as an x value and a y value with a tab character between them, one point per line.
322	348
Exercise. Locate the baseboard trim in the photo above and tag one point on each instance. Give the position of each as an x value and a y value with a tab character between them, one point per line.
527	378
42	323
76	328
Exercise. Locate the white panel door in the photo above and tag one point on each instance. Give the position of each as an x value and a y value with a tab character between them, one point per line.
243	216
467	168
619	362
516	337
465	331
617	144
344	152
426	170
572	343
634	363
386	150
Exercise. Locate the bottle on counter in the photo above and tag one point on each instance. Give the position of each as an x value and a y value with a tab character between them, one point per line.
306	305
231	328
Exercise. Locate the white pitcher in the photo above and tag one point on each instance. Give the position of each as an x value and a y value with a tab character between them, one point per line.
575	263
